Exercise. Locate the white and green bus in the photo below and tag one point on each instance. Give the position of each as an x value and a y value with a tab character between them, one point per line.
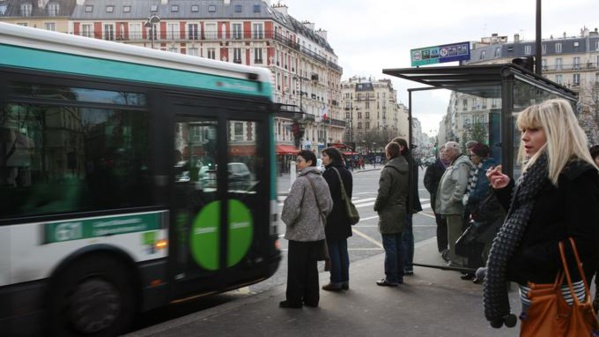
130	178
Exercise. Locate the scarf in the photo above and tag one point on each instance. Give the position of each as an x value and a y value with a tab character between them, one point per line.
473	178
495	294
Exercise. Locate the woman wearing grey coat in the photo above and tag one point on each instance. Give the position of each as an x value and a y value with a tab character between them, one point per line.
304	212
391	206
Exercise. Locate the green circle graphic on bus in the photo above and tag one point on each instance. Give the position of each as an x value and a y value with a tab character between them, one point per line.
205	236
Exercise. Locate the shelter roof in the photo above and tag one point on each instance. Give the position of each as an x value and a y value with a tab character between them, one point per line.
478	80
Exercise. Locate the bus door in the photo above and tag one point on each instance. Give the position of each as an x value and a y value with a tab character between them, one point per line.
220	209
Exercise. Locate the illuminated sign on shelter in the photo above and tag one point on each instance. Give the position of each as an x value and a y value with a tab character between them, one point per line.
440	54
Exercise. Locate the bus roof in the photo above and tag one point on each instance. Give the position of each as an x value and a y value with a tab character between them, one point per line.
28	39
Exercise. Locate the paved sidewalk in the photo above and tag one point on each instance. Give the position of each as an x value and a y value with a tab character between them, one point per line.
433	302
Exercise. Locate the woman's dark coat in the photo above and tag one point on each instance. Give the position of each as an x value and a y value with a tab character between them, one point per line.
569	210
392	195
413	202
338	225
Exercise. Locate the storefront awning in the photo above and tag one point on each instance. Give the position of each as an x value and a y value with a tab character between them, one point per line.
286	149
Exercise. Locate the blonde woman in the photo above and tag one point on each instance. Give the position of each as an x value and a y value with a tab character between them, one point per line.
556	197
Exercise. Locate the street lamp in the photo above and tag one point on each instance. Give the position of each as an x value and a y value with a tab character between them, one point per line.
150	23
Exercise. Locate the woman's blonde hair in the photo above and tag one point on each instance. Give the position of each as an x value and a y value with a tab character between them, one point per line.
566	140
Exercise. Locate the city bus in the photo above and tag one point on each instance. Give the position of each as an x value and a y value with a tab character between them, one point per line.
130	179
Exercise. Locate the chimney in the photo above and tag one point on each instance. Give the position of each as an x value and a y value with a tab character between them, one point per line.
516	38
322	33
281	8
308	25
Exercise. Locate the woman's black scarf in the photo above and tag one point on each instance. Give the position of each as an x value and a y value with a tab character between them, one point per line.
495	295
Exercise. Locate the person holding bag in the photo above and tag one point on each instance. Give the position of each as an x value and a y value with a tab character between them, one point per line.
304	213
554	199
338	227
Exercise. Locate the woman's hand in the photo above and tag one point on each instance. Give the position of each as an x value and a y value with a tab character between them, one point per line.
497	179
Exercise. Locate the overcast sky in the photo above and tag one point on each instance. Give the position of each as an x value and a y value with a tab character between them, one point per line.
371	35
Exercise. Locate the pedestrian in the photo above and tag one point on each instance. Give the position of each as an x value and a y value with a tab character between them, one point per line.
390	204
593	268
338	227
449	197
304	214
556	198
413	205
481	209
432	177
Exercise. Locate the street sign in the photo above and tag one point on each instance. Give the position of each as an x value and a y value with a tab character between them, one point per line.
440	54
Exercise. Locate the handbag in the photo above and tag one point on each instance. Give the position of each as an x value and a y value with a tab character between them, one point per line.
464	242
323	251
550	315
350	208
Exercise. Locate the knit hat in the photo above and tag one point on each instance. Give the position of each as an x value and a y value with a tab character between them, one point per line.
481	150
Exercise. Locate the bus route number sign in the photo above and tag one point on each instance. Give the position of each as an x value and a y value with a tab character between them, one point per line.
61	231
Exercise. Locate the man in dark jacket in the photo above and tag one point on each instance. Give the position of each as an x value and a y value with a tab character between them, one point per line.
413	205
432	176
390	204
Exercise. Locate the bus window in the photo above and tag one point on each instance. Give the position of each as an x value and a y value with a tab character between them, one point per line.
243	161
58	159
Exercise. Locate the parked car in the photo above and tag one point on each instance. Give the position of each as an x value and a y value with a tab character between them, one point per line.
240	177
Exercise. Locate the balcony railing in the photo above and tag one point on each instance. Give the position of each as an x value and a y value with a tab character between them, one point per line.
230	36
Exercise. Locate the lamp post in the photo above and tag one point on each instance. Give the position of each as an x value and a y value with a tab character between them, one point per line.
151	23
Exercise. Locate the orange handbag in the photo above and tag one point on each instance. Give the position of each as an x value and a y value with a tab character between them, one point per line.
549	315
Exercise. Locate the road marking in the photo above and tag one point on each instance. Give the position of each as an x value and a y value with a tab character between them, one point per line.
368	238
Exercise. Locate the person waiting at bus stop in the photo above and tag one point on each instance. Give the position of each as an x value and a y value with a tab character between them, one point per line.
412	206
449	197
555	198
390	204
338	227
304	214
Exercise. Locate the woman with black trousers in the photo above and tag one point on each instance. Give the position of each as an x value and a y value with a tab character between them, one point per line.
338	227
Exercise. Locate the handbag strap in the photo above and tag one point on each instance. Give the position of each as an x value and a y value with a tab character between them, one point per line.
316	198
567	272
343	192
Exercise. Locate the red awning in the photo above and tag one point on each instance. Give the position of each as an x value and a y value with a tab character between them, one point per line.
349	153
286	149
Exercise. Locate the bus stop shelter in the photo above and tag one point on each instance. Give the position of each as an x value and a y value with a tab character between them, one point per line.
512	86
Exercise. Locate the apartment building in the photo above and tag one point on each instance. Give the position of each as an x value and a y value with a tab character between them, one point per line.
372	113
572	61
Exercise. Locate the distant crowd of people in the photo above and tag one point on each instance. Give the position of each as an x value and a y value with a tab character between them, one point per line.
506	229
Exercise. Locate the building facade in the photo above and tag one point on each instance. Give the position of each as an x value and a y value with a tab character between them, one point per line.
572	61
372	113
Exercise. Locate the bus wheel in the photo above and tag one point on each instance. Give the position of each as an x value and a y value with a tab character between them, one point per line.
94	298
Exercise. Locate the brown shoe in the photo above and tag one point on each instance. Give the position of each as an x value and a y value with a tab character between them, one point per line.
331	287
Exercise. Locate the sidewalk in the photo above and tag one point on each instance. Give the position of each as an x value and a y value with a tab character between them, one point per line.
433	302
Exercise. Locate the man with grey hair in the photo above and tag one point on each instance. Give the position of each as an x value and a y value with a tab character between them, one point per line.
452	187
